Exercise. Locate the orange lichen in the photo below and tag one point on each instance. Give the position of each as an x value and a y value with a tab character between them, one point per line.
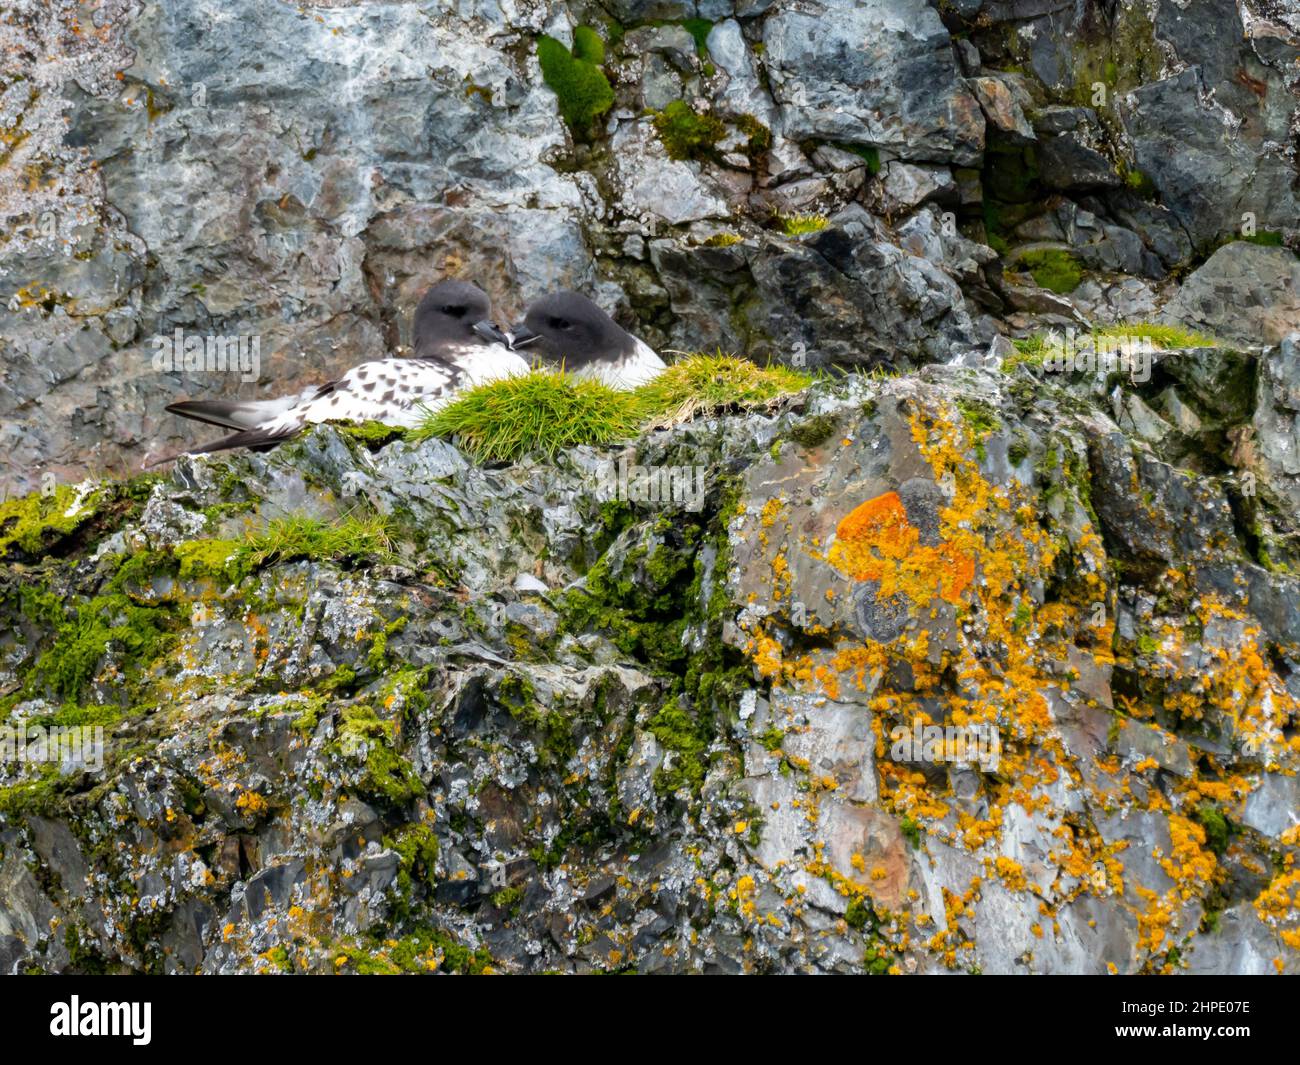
876	542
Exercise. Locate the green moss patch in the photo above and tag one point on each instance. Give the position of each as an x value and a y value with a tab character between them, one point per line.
362	733
373	435
138	633
416	845
759	136
699	29
1052	269
580	86
1268	238
981	420
685	133
34	523
814	431
423	950
223	559
868	154
353	537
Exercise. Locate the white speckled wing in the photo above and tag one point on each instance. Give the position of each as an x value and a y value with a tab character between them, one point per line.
384	390
400	391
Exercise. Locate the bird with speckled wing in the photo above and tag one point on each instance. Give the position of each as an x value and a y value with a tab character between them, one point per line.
456	347
568	329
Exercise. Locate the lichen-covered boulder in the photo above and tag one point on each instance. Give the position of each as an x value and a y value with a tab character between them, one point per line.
941	672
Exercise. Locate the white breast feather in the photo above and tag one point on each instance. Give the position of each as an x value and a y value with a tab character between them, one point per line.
627	372
491	363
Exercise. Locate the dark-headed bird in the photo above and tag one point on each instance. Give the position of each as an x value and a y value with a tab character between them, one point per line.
456	347
568	328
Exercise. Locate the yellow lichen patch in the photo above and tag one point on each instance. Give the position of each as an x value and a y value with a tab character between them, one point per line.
1278	906
980	647
252	804
1010	873
1189	864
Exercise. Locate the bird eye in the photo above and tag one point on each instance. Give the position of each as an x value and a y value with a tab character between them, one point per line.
454	311
559	323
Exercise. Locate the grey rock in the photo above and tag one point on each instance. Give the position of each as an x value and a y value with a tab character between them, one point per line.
1277	419
1241	944
1274	806
903	94
1243	292
1003	101
1209	164
743	94
652	186
904	186
845	294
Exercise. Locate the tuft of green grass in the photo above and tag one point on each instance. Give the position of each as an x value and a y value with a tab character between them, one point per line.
704	382
299	536
722	240
796	225
1162	336
542	411
1052	269
546	412
1034	346
686	134
580	86
1033	350
1030	351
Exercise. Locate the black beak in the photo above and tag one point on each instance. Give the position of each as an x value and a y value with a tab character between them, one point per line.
521	336
489	331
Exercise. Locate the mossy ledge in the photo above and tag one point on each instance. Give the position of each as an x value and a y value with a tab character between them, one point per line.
397	711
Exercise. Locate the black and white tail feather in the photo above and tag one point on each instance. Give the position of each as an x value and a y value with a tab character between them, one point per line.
456	347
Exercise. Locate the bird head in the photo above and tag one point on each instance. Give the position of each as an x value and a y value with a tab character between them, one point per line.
568	327
454	312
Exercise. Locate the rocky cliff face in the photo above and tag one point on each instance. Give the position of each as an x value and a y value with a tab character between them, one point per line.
370	706
299	173
519	718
